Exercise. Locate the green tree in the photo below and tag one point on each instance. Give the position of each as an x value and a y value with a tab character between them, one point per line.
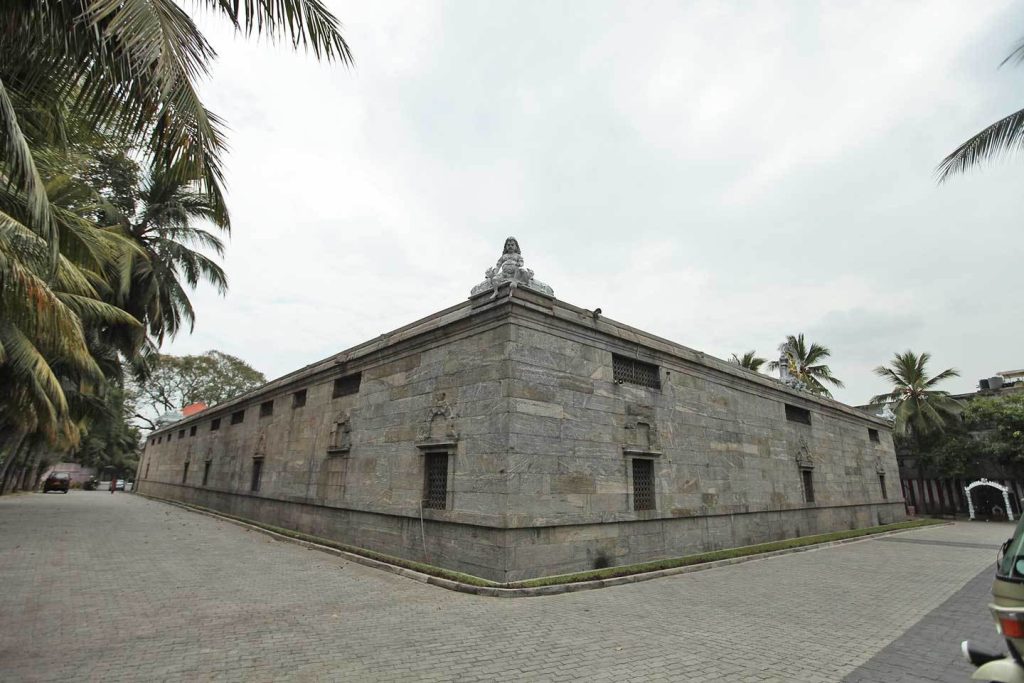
998	423
78	78
803	361
130	68
749	360
921	410
160	213
1006	134
177	381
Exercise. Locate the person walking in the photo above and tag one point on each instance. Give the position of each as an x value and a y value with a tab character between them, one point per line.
113	484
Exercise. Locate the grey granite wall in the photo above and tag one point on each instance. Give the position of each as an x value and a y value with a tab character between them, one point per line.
520	390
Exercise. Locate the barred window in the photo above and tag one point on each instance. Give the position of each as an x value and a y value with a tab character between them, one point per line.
346	386
299	398
633	371
643	484
181	433
192	430
215	424
266	409
257	473
435	484
237	417
807	476
873	435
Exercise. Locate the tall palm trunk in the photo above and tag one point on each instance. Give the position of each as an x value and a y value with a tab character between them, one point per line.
10	448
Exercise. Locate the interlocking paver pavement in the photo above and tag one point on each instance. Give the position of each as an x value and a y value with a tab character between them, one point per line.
930	649
106	587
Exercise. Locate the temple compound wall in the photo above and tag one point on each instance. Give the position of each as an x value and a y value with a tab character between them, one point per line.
515	436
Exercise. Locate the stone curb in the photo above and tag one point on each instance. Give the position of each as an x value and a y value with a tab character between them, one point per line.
498	592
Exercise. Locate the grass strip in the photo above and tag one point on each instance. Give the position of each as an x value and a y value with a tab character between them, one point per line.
593	575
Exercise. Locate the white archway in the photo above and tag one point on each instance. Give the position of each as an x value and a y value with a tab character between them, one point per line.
986	482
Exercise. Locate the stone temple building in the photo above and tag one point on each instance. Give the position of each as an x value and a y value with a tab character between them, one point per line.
515	435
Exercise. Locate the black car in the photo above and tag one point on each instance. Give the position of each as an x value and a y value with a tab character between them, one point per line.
58	481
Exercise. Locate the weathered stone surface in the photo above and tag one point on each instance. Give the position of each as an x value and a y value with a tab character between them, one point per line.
520	391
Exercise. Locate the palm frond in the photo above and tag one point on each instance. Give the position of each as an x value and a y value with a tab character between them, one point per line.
1005	135
307	23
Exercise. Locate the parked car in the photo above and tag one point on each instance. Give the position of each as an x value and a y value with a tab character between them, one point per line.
119	485
57	481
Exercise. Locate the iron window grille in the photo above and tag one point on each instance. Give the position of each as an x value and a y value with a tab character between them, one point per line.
873	435
215	425
643	484
807	477
299	398
181	433
798	414
633	371
236	418
435	494
257	473
206	472
266	409
192	431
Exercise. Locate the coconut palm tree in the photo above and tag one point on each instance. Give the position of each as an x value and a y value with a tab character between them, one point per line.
749	361
920	409
160	212
803	363
1006	134
129	68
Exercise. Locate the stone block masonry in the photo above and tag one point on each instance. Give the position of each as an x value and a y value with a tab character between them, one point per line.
515	436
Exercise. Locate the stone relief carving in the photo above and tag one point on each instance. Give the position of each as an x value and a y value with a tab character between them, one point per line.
341	434
440	421
803	454
641	429
510	269
261	443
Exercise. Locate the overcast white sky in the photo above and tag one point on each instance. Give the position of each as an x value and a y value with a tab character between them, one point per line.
720	174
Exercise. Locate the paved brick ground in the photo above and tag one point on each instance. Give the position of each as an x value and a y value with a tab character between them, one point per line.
107	587
930	649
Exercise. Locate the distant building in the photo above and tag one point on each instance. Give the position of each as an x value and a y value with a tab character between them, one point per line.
927	492
193	408
515	435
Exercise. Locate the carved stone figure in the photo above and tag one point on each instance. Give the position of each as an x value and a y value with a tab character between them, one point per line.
803	454
440	421
886	413
341	434
786	375
510	269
